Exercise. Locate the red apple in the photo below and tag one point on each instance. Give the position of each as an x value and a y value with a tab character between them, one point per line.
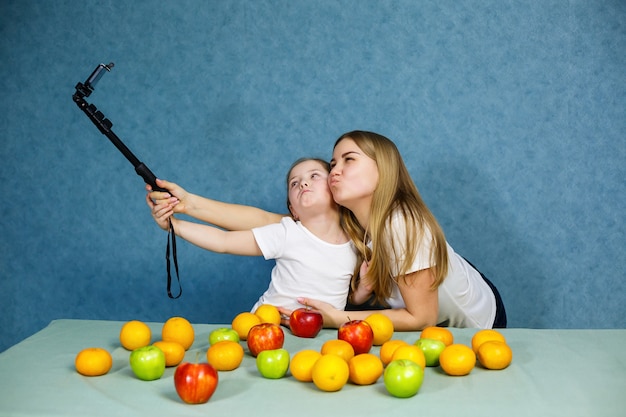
305	322
358	333
195	382
265	336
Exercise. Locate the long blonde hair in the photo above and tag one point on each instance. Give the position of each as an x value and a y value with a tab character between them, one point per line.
395	191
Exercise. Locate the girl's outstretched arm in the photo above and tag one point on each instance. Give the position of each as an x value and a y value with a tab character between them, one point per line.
225	215
216	240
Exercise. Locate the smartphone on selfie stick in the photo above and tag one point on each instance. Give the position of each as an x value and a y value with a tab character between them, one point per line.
104	125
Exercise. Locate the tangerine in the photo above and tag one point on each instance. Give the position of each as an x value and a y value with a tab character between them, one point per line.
243	322
268	314
338	347
438	333
457	360
485	335
382	326
93	361
387	349
135	334
495	355
178	329
225	355
365	369
410	352
174	352
330	373
301	365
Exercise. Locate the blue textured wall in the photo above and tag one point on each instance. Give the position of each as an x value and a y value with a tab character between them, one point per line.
510	115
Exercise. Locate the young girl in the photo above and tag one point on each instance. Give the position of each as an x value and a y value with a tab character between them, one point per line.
314	256
407	263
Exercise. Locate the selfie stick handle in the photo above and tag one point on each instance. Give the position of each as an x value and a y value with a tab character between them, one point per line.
104	125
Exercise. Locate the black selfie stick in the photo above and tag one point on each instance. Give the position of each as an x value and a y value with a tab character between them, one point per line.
104	126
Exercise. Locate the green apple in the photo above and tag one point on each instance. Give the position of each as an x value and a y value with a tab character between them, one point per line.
403	378
148	362
432	348
221	334
273	364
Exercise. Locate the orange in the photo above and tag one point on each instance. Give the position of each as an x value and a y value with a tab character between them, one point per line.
338	347
93	361
382	326
225	355
268	314
365	369
174	352
495	355
457	360
387	349
243	322
135	334
411	352
438	333
485	335
301	365
178	329
330	373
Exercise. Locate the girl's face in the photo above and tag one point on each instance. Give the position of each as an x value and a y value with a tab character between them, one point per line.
308	190
353	176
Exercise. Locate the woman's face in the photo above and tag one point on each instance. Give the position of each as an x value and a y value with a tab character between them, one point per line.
353	177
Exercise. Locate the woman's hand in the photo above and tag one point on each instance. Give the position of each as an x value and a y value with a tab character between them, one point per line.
176	197
364	287
333	318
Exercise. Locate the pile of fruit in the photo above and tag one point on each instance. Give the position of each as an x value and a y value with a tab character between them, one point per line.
347	358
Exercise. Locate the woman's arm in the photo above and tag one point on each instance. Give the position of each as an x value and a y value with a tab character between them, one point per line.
225	215
421	302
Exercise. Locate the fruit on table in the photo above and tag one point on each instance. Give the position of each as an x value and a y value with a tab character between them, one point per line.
495	355
174	352
358	333
265	336
457	360
330	373
268	314
273	364
382	326
225	355
485	335
223	333
178	329
338	347
195	383
432	348
301	365
365	369
243	322
438	333
93	361
388	348
147	363
410	352
306	322
403	378
135	334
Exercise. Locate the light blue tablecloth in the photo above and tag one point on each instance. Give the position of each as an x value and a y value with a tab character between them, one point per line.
554	373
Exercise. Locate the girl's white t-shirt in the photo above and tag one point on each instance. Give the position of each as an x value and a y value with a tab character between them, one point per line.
465	299
306	266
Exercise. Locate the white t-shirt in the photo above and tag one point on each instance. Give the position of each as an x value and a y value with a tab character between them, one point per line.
465	299
306	266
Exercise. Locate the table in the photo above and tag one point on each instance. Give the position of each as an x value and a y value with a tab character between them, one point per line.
554	373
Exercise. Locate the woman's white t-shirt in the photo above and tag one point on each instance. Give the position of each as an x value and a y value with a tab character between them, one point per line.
306	266
465	299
